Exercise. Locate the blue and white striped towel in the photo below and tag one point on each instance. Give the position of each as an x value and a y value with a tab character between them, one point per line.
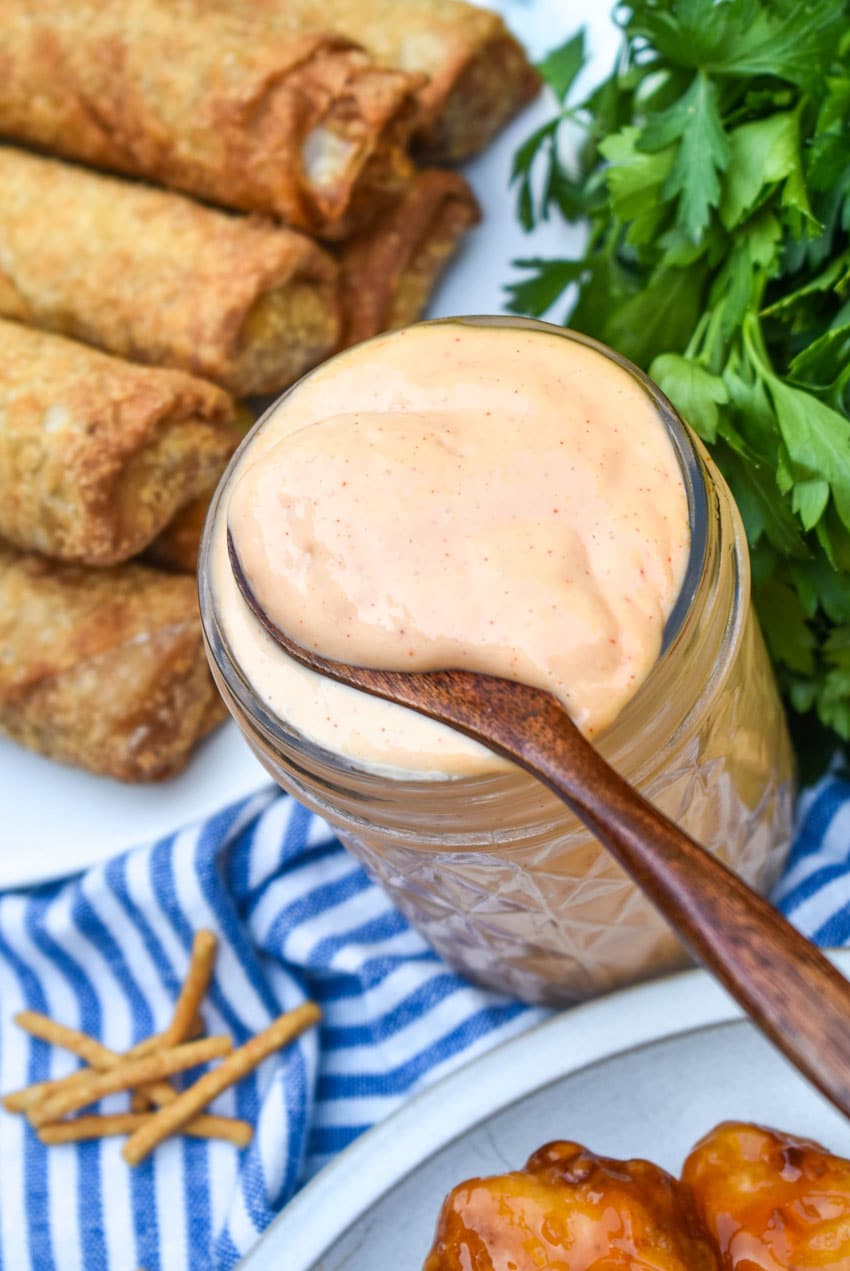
296	917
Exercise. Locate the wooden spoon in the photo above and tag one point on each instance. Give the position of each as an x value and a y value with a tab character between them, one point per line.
786	986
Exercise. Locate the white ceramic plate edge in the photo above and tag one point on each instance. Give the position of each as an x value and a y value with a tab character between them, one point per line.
575	1039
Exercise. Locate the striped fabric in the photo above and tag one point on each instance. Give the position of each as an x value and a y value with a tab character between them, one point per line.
106	952
815	889
296	917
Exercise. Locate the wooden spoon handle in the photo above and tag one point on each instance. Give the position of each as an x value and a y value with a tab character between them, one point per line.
786	986
782	981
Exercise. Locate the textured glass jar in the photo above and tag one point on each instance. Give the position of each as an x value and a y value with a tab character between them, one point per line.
494	871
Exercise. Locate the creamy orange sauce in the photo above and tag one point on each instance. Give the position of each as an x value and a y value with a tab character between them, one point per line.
494	498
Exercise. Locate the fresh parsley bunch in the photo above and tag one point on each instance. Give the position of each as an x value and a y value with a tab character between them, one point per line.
714	171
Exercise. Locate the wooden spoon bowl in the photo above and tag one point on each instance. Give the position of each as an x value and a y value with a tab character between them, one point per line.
784	983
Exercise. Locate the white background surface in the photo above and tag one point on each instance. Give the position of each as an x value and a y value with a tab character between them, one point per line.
57	820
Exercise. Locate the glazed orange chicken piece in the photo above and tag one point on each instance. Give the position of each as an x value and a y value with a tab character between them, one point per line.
569	1210
772	1202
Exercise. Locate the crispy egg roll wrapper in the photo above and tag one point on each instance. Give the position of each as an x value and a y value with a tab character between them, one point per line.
390	270
103	668
294	122
179	545
387	276
155	277
97	454
478	75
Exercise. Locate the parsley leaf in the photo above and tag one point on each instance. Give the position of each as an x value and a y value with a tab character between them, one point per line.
693	124
562	65
714	170
761	153
547	280
696	392
818	443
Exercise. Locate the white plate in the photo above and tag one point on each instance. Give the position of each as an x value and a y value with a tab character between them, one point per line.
57	820
645	1072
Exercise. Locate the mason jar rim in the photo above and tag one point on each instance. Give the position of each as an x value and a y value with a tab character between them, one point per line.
691	470
690	467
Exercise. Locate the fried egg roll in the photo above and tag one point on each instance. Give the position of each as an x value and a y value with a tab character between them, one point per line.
97	454
178	546
389	271
158	278
387	276
291	121
103	668
478	75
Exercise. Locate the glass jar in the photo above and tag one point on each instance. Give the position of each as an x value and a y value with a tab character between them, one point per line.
496	873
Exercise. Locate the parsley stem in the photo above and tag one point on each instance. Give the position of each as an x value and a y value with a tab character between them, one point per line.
713	352
699	331
753	338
